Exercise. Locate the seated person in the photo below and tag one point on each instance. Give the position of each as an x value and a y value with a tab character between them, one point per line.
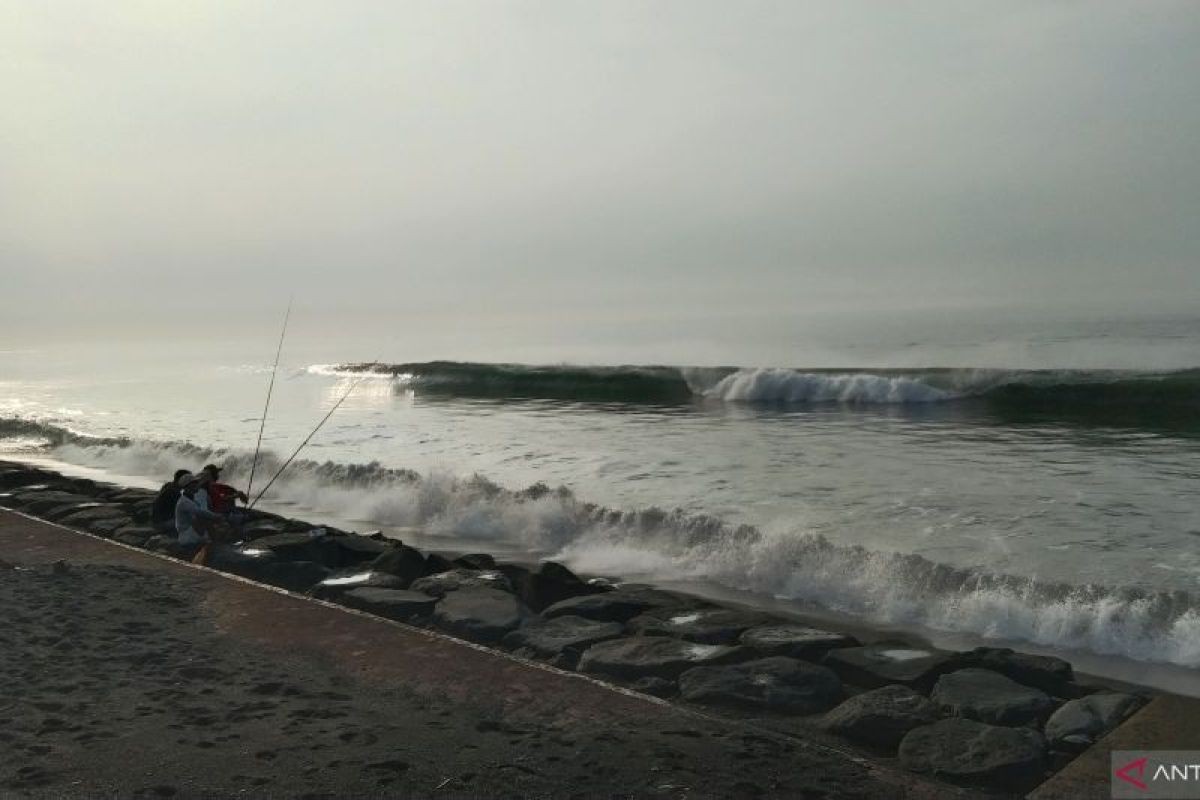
215	496
192	521
162	513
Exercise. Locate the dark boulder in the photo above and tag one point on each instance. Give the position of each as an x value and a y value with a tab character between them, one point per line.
405	562
350	578
1051	675
1080	723
443	583
705	625
637	657
794	641
166	545
247	562
295	576
41	503
101	520
19	477
549	637
351	550
875	665
619	605
296	547
776	684
435	564
258	528
133	535
966	751
397	604
475	561
881	717
655	687
990	697
480	614
551	583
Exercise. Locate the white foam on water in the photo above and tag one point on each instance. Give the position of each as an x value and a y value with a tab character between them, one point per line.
789	386
894	589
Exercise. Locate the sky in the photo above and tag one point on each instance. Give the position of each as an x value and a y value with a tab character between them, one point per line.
473	177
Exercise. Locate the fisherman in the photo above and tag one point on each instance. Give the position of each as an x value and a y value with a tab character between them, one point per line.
219	498
162	513
192	521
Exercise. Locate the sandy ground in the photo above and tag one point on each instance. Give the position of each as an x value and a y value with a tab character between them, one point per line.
127	675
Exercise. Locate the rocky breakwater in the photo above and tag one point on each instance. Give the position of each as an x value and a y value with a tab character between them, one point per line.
989	717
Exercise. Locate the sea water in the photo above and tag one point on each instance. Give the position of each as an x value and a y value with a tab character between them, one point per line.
1032	486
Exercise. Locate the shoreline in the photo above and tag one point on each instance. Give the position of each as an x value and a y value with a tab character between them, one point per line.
825	685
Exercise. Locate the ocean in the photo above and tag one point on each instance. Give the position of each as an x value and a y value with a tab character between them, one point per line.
997	481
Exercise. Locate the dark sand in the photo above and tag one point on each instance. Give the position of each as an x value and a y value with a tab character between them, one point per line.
126	674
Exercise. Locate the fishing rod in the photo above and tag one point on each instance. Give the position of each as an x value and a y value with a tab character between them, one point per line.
270	388
342	399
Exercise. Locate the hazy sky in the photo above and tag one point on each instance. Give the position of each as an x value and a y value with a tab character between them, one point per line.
573	169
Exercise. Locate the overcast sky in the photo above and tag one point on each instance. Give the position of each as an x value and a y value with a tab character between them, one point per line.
582	166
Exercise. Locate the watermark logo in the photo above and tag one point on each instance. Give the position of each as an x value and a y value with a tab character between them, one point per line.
1156	774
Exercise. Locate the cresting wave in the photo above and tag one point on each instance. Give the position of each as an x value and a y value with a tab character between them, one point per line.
883	587
1036	390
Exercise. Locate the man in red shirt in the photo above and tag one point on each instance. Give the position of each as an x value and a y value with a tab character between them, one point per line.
217	497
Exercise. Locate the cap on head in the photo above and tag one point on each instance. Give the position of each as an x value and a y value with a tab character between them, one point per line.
186	479
212	469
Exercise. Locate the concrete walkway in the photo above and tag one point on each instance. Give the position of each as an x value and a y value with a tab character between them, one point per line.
132	674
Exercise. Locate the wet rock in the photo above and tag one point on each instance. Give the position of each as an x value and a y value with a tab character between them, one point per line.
295	547
546	638
166	545
259	528
41	503
987	696
102	520
551	583
398	604
705	625
352	550
655	687
966	751
777	684
404	562
351	578
443	583
125	495
619	605
435	564
295	576
881	717
248	562
133	535
1051	675
1080	723
875	665
478	561
480	614
794	641
637	657
18	477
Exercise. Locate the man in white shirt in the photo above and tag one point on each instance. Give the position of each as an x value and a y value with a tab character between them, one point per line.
188	512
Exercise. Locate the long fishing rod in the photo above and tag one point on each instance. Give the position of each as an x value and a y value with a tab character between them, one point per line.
324	419
270	388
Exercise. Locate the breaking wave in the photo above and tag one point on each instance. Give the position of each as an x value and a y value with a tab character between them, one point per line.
883	587
1004	389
